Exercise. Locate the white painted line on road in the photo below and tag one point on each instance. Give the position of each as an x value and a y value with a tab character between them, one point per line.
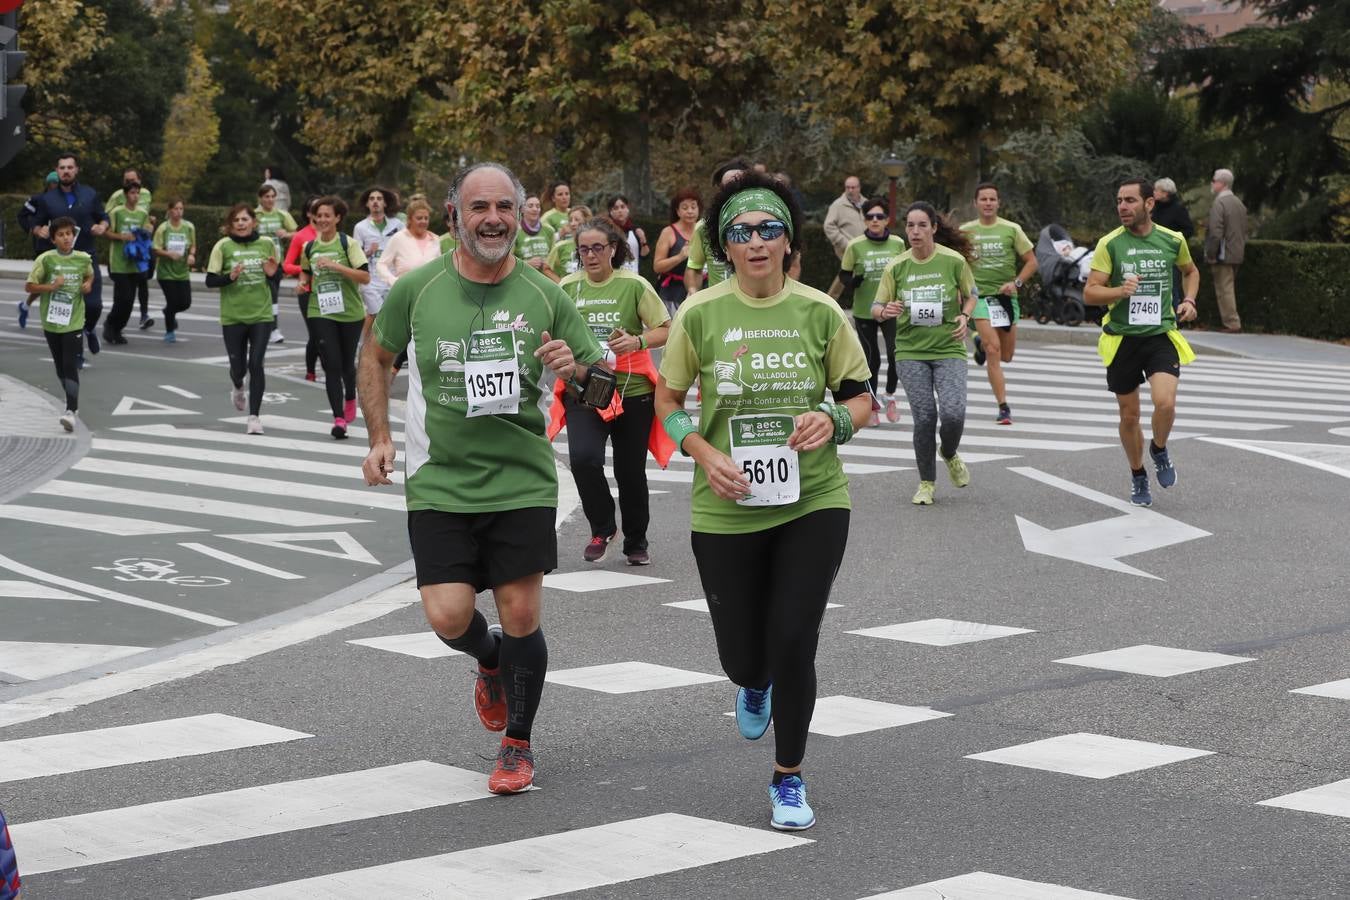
1149	659
315	427
31	590
597	580
940	632
327	446
272	353
181	503
176	452
348	547
701	605
574	860
103	748
122	526
180	391
1090	755
1337	690
1329	800
628	678
251	484
838	716
421	644
984	886
29	571
1333	458
246	564
52	845
1038	411
134	406
35	660
1248	384
905	436
194	662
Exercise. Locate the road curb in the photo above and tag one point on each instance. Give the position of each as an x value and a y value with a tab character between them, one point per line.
34	447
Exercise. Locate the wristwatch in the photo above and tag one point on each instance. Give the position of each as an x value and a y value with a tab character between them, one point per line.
1017	283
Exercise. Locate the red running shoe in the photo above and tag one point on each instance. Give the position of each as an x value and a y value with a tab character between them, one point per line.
489	699
515	768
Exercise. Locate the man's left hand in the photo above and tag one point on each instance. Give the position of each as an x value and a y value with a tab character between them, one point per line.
557	356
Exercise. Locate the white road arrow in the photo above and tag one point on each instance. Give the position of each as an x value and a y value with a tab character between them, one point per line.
1101	544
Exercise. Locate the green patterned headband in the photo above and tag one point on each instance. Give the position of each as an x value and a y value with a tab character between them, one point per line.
754	200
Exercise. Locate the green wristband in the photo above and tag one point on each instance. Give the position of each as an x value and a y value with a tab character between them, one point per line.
843	422
679	425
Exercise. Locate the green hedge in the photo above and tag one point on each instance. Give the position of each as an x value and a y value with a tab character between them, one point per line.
1285	288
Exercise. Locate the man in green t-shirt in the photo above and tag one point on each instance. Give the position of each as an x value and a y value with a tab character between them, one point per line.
999	246
486	336
61	277
1132	276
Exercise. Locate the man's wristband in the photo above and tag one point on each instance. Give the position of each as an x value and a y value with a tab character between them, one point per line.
1190	300
843	421
642	342
679	425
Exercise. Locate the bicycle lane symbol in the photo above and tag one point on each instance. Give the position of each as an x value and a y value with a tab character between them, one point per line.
145	569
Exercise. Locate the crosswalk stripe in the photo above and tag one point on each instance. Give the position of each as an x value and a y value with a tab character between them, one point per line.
307	426
905	436
327	446
179	503
1192	374
559	863
52	845
1330	369
102	748
253	484
1188	397
987	886
122	526
1021	414
229	458
1192	383
1187	407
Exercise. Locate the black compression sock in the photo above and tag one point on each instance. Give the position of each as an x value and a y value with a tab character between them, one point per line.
1154	448
1137	472
779	776
476	641
524	662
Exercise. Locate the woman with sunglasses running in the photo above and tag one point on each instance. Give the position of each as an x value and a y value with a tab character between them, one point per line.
334	267
860	268
930	292
770	508
627	317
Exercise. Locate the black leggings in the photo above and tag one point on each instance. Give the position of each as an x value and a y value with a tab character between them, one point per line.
247	345
125	285
311	345
65	350
177	298
767	592
337	351
586	437
143	292
868	332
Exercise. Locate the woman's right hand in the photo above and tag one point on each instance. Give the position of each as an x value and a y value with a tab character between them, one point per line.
726	480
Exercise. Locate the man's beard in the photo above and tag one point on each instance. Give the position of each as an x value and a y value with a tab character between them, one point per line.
470	242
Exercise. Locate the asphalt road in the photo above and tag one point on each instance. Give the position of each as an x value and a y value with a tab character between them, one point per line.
1150	786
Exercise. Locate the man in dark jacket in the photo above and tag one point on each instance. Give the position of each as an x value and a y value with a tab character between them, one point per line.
1169	212
81	203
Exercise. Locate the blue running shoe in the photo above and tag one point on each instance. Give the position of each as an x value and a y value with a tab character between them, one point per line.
1162	462
1139	493
169	337
791	812
23	314
94	345
753	711
979	351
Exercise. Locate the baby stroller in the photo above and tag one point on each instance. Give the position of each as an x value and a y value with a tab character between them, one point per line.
1063	268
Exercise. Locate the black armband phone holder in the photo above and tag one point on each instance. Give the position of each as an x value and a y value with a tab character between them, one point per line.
599	390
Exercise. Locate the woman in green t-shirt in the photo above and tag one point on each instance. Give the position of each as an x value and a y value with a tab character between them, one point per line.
930	292
240	264
770	507
332	269
126	223
865	259
560	194
175	245
627	317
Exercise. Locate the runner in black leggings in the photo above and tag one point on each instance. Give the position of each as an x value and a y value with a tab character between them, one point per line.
292	267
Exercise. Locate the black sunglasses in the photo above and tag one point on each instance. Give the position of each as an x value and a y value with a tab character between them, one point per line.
879	217
769	229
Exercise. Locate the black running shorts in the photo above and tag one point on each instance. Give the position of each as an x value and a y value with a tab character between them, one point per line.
482	549
1140	357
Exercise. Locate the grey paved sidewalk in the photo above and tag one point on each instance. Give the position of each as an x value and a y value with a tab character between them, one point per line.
32	444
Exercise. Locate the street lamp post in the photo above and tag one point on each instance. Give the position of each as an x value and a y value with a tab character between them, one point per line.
894	167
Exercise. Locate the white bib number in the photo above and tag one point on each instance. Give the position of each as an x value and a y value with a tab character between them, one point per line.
59	311
925	313
177	243
491	375
998	316
330	301
1146	304
759	448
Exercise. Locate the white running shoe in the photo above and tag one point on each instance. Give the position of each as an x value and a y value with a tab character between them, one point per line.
276	338
254	425
237	396
68	421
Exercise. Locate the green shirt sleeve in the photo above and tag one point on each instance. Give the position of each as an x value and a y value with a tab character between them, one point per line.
1183	253
288	221
844	359
698	253
158	240
1021	243
38	274
886	289
650	309
679	361
569	327
847	263
356	256
1101	258
966	281
215	264
393	324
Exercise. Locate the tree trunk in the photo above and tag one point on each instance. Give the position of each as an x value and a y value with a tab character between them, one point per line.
637	166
